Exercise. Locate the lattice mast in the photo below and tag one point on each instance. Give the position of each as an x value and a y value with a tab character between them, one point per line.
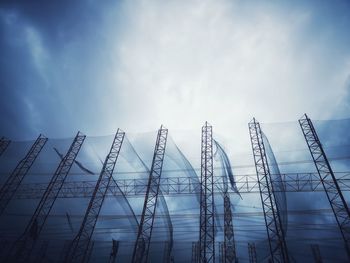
206	231
24	245
14	180
81	242
195	252
328	179
252	253
275	233
316	253
142	244
4	143
114	252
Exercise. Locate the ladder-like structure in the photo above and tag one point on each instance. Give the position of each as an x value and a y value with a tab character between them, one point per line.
142	244
14	180
22	248
195	252
252	253
4	143
329	181
114	252
275	233
207	228
81	242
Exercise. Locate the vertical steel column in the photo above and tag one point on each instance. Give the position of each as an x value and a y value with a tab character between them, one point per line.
316	253
195	252
81	242
14	180
24	245
275	233
252	253
207	235
142	244
4	143
114	252
329	182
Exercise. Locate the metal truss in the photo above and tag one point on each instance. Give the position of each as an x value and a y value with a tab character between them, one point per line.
167	257
4	143
275	233
195	252
142	244
206	231
298	182
252	253
24	245
81	242
328	179
114	252
316	253
15	178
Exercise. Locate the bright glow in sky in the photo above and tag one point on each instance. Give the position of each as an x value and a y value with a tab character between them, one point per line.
95	66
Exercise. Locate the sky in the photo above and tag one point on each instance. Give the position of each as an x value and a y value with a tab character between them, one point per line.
97	66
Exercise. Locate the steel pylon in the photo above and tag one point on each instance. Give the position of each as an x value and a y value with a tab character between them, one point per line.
81	242
206	231
252	253
142	244
328	179
276	236
23	246
4	143
15	178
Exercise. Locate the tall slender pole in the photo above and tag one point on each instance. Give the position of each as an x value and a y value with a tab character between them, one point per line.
4	143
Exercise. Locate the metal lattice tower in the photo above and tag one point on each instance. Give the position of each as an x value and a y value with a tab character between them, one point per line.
14	180
329	181
142	244
4	143
24	245
252	253
81	242
114	252
275	233
206	231
195	252
316	253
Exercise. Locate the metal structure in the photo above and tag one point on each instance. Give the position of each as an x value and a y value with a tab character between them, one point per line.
206	230
298	182
328	179
14	180
316	253
81	242
114	252
23	246
252	253
275	232
4	143
195	252
142	244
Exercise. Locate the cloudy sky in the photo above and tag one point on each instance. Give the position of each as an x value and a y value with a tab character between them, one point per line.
95	66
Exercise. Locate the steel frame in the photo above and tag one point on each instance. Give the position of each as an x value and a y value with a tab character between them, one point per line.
4	143
328	179
275	232
82	240
206	231
24	245
316	253
144	235
15	178
114	251
252	253
195	252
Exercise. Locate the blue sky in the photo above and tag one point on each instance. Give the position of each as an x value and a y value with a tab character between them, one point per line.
96	66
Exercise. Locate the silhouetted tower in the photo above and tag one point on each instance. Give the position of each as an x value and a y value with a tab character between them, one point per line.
14	180
316	253
4	143
114	252
329	182
142	244
275	233
195	252
24	245
81	242
252	253
206	231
